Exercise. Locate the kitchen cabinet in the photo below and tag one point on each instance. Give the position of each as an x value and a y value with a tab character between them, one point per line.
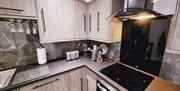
174	42
80	21
91	80
61	20
69	20
77	80
165	7
91	83
57	83
19	8
92	20
49	25
70	81
101	25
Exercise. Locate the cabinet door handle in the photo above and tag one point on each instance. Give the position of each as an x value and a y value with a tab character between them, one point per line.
98	20
43	20
11	9
46	83
102	88
90	22
81	84
87	85
84	22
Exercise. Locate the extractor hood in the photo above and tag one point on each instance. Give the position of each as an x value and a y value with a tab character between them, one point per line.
138	13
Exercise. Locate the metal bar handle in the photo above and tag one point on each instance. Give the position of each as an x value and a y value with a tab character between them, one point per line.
11	9
43	20
84	22
46	83
102	88
90	22
87	85
98	20
81	84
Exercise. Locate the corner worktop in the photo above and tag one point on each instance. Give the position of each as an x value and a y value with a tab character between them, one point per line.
62	66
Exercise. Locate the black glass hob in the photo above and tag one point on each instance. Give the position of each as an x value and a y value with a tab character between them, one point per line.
129	78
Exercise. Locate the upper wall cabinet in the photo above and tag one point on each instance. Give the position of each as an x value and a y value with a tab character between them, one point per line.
61	20
68	20
17	8
174	42
101	26
165	7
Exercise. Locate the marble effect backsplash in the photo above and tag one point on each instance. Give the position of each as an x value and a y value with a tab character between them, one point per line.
22	51
170	69
113	49
19	48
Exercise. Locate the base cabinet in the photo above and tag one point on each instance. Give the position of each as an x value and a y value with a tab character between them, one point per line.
81	79
57	83
70	81
76	80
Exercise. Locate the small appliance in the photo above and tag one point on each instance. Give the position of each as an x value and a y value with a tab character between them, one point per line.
101	51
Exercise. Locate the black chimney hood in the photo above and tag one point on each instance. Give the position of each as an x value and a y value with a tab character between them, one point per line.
138	13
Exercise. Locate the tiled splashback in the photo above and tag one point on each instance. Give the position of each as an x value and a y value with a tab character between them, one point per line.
170	69
25	53
19	48
113	49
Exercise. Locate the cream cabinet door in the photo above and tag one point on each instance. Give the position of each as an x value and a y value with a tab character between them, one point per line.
17	8
92	17
66	18
77	79
102	29
91	83
165	7
50	24
175	29
103	26
57	83
91	80
61	20
80	20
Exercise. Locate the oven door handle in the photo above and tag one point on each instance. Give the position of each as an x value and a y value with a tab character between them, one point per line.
109	87
100	87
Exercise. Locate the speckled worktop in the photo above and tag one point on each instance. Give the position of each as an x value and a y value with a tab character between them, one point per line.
62	66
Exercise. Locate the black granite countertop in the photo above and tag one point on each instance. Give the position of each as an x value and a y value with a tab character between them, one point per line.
60	67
